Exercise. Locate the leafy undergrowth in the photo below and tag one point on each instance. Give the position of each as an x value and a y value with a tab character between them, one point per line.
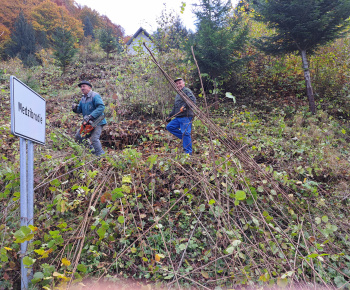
147	212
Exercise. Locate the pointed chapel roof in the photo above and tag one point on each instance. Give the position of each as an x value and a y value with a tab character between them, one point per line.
139	31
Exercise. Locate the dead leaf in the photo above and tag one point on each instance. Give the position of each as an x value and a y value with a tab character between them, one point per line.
158	257
205	274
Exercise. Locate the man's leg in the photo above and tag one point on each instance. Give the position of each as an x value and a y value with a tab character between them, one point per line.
95	140
186	127
174	128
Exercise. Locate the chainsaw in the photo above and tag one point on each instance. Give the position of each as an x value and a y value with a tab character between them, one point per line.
87	127
182	109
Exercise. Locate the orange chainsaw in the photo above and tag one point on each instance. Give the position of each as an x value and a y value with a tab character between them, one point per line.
87	127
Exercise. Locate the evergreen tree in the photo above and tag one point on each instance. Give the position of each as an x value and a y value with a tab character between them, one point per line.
41	39
302	26
63	45
108	41
88	28
218	40
22	41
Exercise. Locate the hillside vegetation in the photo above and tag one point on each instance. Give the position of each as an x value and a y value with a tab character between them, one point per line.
263	202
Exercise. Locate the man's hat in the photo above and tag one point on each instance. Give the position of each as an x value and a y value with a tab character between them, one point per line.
178	79
85	83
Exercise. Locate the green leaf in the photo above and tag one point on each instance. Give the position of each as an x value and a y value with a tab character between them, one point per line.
201	208
82	268
55	182
126	188
325	219
212	201
47	269
23	234
169	276
265	277
121	219
236	243
117	193
230	96
38	276
250	201
127	178
28	261
40	251
101	232
240	195
230	250
339	281
62	225
16	196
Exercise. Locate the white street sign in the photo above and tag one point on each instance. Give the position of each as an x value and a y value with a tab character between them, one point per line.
28	112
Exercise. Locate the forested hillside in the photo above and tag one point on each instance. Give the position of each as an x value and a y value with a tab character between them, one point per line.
262	202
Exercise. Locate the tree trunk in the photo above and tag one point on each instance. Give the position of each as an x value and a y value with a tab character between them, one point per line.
310	93
216	99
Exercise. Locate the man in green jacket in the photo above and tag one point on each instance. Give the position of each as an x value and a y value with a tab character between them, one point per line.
181	125
91	106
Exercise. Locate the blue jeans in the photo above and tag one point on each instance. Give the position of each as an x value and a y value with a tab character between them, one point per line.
94	138
181	127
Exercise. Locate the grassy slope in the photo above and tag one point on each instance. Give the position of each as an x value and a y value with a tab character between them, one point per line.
155	211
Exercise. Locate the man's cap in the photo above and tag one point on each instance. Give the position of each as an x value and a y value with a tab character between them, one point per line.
85	83
178	79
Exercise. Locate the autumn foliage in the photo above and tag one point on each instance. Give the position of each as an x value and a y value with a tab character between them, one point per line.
47	15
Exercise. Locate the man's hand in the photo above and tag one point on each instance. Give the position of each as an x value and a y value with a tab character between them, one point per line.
74	107
87	118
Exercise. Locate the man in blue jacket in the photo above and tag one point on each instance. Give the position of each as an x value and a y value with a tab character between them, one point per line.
91	106
181	125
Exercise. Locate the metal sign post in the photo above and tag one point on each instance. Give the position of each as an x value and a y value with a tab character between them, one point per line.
28	119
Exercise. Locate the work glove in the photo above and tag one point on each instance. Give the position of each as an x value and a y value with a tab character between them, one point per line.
87	118
168	119
74	107
183	108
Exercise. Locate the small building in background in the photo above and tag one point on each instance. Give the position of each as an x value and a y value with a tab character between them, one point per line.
135	43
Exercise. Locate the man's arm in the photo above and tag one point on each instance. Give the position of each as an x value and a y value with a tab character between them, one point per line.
189	94
99	107
76	108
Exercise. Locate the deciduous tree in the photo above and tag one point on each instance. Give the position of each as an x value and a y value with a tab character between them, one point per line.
94	17
48	17
171	33
302	25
